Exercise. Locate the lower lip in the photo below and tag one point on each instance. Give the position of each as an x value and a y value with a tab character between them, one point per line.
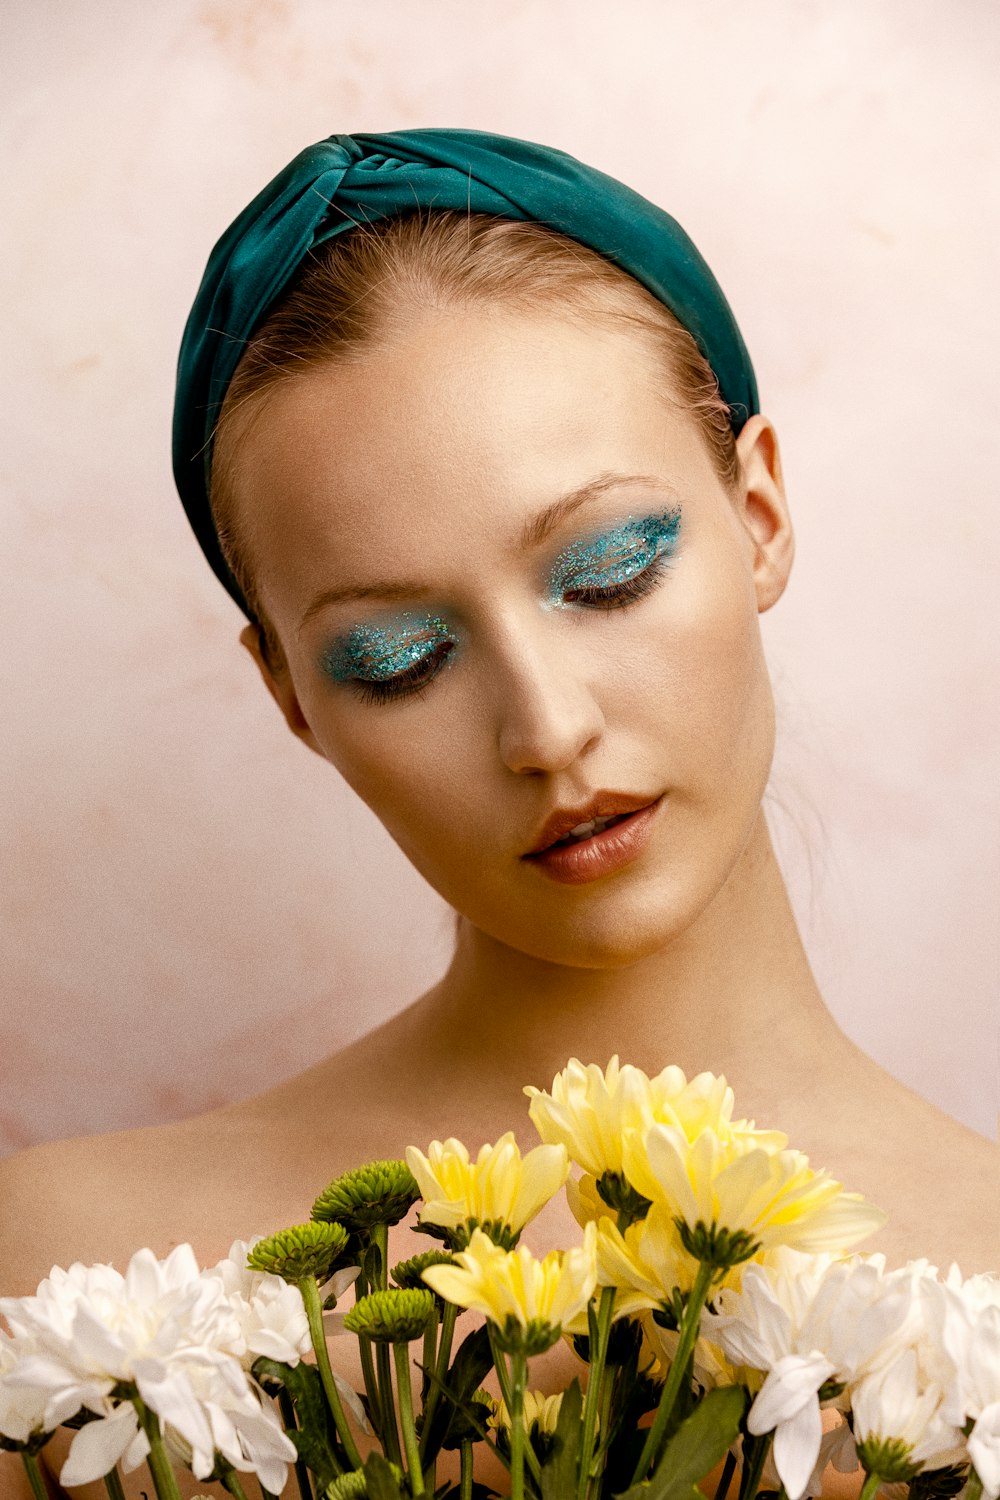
589	859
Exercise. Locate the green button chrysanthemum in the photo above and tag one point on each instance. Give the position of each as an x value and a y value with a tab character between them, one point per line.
381	1192
396	1316
409	1273
302	1250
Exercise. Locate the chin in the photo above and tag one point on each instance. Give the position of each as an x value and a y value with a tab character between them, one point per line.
614	928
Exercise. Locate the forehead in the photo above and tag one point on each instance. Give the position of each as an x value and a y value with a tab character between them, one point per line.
462	422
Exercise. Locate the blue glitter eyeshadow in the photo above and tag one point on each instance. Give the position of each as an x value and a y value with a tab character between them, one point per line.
375	653
614	556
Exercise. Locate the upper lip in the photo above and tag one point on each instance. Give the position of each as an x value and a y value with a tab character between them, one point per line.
601	805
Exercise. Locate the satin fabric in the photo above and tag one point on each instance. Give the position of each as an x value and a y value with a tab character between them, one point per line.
347	180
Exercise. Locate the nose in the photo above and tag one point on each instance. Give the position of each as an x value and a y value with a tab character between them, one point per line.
547	713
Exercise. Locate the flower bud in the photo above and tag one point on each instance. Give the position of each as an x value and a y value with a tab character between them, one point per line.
381	1192
303	1250
396	1316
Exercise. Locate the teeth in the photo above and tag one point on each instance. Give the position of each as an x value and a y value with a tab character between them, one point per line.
587	830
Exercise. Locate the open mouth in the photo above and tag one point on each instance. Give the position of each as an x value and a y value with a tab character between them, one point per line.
586	831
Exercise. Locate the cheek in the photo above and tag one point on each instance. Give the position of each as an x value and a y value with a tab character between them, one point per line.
408	776
701	672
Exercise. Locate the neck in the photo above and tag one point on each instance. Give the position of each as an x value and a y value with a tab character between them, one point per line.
734	994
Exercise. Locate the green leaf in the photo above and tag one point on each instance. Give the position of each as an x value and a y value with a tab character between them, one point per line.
380	1481
316	1437
559	1473
699	1443
450	1424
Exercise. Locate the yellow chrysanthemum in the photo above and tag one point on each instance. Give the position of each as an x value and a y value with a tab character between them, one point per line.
588	1109
499	1192
739	1183
646	1263
527	1300
540	1411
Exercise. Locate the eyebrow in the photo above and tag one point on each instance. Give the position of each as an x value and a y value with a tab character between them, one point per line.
533	533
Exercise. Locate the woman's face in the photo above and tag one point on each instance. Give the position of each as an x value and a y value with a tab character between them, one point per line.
470	671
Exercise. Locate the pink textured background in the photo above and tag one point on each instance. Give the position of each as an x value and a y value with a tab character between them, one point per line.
192	906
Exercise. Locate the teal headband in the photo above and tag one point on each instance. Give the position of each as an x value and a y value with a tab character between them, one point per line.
348	180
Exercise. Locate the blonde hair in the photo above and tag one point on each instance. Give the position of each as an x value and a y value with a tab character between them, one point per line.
352	291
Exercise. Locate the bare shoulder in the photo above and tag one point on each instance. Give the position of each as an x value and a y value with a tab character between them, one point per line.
239	1171
938	1180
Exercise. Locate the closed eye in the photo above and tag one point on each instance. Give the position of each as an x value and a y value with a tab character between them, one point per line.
616	595
405	684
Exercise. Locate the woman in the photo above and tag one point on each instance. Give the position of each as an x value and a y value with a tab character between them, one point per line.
468	431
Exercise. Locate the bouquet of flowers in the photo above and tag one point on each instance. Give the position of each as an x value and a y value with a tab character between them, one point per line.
712	1302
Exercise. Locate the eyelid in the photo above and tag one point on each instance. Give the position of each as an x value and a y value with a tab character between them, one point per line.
348	658
656	532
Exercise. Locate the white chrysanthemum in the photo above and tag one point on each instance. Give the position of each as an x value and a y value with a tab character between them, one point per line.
22	1407
970	1333
269	1311
162	1327
896	1412
802	1320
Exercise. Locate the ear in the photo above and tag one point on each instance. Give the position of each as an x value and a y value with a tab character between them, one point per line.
764	510
281	688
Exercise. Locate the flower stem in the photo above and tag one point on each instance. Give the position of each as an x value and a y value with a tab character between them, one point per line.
440	1370
380	1237
671	1390
401	1354
31	1464
164	1478
870	1487
506	1391
287	1407
314	1317
230	1482
973	1485
595	1385
113	1485
750	1479
726	1477
390	1432
466	1484
519	1376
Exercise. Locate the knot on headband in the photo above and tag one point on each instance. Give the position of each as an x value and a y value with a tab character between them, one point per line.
351	180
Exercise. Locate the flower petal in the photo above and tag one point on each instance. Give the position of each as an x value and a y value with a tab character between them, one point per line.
96	1448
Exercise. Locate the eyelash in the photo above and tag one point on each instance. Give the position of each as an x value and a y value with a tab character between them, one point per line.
418	678
408	684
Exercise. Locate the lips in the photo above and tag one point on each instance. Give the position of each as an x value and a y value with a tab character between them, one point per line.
602	805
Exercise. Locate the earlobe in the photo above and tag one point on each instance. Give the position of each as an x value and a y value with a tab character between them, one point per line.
764	510
281	688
